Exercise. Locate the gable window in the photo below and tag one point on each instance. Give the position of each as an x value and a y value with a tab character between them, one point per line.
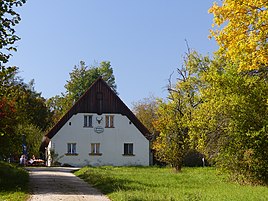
109	121
87	120
128	149
71	148
95	149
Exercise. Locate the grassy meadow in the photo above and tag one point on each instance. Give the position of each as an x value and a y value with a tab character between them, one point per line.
155	184
13	183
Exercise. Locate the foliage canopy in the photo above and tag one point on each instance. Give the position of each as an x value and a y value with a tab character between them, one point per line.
8	19
81	78
242	32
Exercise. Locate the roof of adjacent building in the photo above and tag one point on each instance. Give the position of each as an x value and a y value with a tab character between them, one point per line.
99	98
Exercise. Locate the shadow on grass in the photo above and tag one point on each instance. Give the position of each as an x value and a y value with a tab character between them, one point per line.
13	178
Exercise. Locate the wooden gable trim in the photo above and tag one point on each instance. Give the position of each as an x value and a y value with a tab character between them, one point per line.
99	98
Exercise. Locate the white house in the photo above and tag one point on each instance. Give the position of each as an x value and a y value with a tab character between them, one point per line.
98	130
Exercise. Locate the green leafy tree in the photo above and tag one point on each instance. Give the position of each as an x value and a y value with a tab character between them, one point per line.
20	104
83	76
231	124
57	105
173	117
81	79
9	18
33	135
172	143
31	106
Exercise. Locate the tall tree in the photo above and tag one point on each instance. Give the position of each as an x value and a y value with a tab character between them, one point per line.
242	32
8	19
173	117
231	124
20	106
30	106
81	78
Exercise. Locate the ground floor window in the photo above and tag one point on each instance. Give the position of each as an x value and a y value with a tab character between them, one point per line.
128	149
71	148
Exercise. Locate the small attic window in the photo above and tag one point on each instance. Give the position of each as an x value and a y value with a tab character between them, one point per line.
70	123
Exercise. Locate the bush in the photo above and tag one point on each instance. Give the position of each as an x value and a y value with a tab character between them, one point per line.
194	159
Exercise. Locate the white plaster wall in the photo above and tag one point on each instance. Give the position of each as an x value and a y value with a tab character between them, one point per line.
111	142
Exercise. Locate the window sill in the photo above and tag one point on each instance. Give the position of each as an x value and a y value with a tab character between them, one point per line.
128	154
87	126
95	154
69	154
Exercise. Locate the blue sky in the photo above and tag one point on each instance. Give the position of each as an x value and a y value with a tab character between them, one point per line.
143	39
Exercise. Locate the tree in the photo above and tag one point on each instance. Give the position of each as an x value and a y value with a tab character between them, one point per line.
8	18
242	32
33	135
145	111
30	106
20	105
83	76
172	143
81	79
230	125
173	118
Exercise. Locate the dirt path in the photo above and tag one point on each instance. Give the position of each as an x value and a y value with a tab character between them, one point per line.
58	183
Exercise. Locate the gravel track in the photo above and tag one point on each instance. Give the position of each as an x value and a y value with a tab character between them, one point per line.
59	184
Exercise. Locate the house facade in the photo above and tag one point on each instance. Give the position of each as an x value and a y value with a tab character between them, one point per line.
98	130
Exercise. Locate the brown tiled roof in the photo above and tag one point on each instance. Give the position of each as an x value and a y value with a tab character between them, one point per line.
99	98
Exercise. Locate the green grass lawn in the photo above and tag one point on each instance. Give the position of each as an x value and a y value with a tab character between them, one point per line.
13	183
153	183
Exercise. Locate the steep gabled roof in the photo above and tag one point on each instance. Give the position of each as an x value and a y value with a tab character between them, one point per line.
99	98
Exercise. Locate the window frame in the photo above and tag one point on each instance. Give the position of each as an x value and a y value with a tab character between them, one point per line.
128	149
109	121
71	149
88	121
95	149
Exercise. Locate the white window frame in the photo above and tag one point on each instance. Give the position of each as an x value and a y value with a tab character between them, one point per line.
95	149
71	148
88	121
109	121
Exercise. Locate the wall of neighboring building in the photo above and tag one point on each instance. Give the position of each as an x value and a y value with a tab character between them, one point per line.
110	140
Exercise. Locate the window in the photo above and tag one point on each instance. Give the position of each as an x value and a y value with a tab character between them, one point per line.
109	121
71	148
95	149
87	120
128	149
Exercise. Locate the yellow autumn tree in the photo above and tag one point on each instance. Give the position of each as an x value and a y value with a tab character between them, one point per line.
241	29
